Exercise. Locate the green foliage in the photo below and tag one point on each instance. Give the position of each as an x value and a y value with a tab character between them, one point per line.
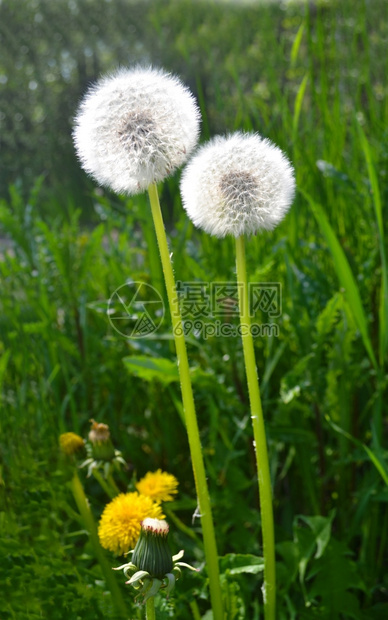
311	76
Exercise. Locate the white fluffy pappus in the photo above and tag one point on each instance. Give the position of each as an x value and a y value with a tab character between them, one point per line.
237	185
135	127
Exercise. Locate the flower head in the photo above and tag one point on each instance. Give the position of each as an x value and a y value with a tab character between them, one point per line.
152	552
158	485
71	443
237	184
99	437
120	522
101	451
153	567
135	127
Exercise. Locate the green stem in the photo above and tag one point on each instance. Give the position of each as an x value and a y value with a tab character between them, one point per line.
195	610
189	409
263	471
113	485
83	507
171	516
150	608
103	483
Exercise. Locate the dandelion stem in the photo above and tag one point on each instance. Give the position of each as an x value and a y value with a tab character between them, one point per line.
113	485
195	610
189	409
262	462
150	608
87	517
104	484
170	514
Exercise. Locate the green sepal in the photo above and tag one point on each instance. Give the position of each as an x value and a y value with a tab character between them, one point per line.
153	554
171	583
141	574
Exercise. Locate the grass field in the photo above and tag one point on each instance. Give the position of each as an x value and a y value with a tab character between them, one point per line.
312	77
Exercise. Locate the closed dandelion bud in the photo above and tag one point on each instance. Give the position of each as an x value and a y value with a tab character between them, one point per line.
101	453
99	437
152	567
152	553
237	185
135	127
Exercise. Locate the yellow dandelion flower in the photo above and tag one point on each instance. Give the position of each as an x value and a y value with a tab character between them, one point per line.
120	523
70	443
158	485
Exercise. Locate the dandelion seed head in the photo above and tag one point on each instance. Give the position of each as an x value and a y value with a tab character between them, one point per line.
237	184
135	127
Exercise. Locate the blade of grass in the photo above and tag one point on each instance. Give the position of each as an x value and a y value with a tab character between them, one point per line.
379	465
376	198
296	45
345	276
3	366
298	106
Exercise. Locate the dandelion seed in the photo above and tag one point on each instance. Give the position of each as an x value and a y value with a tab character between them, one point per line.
237	185
135	127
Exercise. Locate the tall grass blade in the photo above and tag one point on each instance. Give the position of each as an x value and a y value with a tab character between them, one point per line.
296	45
298	106
379	465
3	367
383	308
345	276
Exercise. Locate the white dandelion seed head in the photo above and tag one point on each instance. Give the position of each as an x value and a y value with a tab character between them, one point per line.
237	184
135	127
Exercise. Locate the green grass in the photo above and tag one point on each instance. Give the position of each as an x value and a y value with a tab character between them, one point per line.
313	79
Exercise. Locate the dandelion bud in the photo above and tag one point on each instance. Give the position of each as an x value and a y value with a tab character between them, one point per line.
152	566
237	185
99	437
152	553
135	127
